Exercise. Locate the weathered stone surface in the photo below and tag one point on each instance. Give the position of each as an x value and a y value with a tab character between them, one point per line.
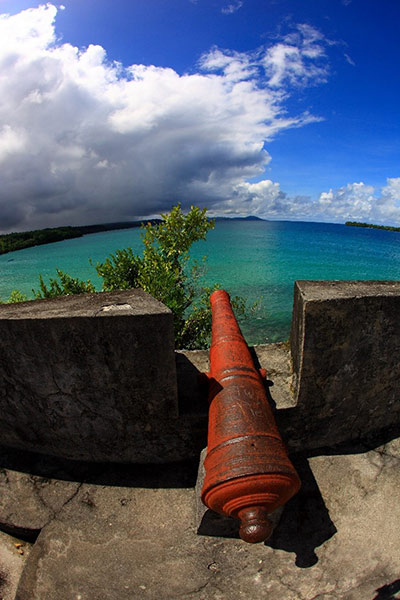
134	543
274	358
129	531
28	502
366	483
34	487
345	350
13	555
337	539
91	377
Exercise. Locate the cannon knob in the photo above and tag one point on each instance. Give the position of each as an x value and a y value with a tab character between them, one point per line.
254	524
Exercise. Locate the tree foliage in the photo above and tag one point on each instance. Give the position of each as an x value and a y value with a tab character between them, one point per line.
9	242
164	270
15	296
65	287
372	226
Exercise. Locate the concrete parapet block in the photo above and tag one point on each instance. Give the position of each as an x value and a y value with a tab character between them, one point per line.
345	343
91	377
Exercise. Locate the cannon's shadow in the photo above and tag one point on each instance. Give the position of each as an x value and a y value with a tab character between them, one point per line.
389	591
305	523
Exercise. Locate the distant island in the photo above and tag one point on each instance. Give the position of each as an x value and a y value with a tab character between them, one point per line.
249	218
9	242
371	226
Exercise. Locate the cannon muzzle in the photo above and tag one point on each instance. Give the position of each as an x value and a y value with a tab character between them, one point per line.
248	472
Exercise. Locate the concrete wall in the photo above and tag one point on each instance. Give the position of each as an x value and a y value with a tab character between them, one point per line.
345	347
94	377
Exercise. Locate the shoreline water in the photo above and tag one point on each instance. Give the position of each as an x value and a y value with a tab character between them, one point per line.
254	259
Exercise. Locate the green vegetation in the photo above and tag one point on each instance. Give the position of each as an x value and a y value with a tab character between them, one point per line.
15	296
9	242
164	270
25	239
356	224
65	287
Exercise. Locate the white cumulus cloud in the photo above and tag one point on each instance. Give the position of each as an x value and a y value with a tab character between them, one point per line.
387	207
259	199
356	202
352	202
86	140
300	59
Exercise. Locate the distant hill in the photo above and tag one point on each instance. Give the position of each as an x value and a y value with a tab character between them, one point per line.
249	218
9	242
371	226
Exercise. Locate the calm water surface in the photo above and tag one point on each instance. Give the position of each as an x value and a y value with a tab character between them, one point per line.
255	259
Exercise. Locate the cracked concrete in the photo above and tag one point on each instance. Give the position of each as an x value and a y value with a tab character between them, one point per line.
337	539
29	502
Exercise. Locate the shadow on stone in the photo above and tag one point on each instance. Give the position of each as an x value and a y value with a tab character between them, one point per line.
3	581
365	443
268	384
192	387
305	523
254	357
22	533
170	475
389	591
215	525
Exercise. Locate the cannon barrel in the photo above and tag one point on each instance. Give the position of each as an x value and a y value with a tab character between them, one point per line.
247	470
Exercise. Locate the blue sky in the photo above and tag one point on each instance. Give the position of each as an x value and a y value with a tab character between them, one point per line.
287	109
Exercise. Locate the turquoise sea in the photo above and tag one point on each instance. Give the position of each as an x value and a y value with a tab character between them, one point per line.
255	259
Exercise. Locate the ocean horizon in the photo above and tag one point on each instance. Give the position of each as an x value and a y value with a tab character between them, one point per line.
259	260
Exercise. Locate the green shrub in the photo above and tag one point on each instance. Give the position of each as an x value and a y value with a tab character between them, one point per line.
164	270
15	296
68	285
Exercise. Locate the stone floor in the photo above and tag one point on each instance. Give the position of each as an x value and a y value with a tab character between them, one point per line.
85	532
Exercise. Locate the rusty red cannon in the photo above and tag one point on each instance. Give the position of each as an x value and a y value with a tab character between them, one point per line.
248	472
